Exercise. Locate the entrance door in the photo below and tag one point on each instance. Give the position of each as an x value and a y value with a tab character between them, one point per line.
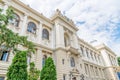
74	78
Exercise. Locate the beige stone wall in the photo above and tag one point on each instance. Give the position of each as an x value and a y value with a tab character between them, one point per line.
88	62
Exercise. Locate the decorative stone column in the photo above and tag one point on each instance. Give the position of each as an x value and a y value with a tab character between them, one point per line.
38	60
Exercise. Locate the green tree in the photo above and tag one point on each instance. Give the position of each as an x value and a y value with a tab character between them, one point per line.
9	42
118	61
33	72
8	38
49	70
18	68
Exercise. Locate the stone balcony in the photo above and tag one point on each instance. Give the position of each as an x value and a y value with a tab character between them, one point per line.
72	50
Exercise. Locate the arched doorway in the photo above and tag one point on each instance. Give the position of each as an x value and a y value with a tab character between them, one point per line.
74	78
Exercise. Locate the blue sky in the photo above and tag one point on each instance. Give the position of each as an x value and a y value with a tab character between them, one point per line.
96	19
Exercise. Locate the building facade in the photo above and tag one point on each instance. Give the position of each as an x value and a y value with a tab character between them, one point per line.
57	37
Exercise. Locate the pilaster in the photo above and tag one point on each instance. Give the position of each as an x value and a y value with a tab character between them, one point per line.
38	60
39	32
59	35
24	25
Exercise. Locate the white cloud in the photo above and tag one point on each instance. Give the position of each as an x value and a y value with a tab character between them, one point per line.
98	18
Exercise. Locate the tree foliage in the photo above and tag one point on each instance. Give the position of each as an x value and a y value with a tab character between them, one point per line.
118	61
9	42
49	70
18	68
8	38
33	72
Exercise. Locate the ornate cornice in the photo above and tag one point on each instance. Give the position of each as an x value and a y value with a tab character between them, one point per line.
29	8
85	43
103	46
59	15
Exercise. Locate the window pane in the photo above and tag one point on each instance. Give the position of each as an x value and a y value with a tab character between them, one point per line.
64	77
63	61
4	56
43	60
2	78
45	34
28	60
72	62
31	27
15	20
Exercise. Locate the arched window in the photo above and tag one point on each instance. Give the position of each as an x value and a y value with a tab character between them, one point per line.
72	62
43	60
31	27
65	42
15	21
45	34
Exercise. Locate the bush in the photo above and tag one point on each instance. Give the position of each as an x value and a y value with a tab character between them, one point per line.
18	68
49	70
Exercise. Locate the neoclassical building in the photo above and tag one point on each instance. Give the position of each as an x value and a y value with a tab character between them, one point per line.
56	37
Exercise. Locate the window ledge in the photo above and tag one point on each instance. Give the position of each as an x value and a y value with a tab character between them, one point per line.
31	33
16	27
45	40
4	62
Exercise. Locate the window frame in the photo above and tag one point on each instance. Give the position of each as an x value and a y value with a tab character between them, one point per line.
63	61
44	59
4	56
28	59
2	78
45	34
64	77
72	62
31	27
16	20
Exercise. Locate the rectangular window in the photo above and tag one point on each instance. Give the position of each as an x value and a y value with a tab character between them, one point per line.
91	55
28	60
2	78
64	77
96	70
63	61
86	68
87	53
82	50
110	59
100	72
95	57
4	56
91	70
